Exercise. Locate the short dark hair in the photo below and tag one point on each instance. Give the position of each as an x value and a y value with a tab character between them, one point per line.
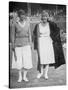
21	12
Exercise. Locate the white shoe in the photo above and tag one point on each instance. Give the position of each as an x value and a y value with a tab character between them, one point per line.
39	75
25	79
46	77
20	79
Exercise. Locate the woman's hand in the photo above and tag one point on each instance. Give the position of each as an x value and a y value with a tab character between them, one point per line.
13	47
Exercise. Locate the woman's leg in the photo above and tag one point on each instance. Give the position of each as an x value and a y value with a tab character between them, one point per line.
20	75
24	75
40	74
46	71
27	61
19	62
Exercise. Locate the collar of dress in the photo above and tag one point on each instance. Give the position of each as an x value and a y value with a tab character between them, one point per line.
22	24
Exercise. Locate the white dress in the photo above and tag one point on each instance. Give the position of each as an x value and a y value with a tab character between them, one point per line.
45	45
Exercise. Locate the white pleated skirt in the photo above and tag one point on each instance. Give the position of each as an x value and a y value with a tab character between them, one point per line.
46	50
24	58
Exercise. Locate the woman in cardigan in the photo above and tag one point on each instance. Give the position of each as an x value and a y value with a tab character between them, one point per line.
21	41
48	45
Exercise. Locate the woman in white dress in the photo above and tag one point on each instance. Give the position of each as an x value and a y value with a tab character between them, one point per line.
48	44
21	41
45	45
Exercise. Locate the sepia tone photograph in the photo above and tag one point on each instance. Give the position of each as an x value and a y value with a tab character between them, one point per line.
37	44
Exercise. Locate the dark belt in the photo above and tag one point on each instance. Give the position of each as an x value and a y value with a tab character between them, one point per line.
22	36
